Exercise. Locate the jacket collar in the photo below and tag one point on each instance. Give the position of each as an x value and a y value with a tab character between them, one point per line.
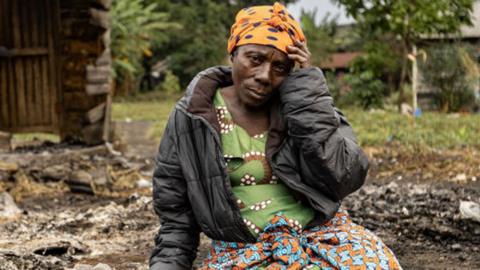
198	100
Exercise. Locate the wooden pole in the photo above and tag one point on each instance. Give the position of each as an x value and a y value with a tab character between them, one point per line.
414	80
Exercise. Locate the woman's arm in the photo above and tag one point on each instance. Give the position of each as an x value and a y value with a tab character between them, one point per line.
177	240
331	160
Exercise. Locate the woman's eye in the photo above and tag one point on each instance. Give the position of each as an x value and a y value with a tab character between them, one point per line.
280	69
255	59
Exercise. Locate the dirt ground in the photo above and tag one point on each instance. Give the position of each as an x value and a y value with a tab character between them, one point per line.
412	203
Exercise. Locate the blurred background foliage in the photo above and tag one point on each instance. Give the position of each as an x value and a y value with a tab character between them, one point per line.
135	27
160	45
452	72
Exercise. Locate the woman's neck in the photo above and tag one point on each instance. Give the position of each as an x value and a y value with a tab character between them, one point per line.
253	119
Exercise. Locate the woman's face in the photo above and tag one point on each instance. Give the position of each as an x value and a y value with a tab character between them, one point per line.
258	70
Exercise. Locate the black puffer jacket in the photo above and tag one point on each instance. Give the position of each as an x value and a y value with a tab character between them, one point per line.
310	146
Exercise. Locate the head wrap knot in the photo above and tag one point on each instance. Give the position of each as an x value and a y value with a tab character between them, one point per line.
265	25
278	18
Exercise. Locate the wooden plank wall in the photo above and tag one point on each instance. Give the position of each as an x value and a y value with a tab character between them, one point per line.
28	82
55	68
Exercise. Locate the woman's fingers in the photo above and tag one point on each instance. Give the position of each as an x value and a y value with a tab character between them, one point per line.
297	50
301	60
300	53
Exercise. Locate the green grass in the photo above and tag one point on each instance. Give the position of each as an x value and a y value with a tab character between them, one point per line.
430	131
156	111
25	137
376	128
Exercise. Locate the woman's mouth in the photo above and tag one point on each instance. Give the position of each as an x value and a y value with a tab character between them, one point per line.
256	94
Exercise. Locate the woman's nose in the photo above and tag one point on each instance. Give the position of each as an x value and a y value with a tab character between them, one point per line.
263	74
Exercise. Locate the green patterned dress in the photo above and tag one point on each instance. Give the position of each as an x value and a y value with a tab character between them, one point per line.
259	195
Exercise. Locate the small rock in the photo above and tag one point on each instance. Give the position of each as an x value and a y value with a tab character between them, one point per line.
57	172
144	183
470	210
460	178
101	266
80	182
81	176
82	266
101	181
9	167
8	208
456	247
7	252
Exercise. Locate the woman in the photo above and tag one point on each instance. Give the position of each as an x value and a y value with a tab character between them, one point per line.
258	158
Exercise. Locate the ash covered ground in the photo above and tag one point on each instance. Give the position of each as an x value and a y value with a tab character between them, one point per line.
91	208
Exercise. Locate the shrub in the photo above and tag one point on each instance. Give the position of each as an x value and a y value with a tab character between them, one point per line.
171	85
451	74
367	90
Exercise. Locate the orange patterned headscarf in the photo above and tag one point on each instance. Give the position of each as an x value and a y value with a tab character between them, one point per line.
265	25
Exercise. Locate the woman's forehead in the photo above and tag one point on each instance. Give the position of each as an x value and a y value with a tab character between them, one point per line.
264	50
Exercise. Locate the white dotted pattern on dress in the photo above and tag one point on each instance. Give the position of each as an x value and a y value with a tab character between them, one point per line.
259	136
274	180
295	224
260	205
251	225
248	180
253	154
225	128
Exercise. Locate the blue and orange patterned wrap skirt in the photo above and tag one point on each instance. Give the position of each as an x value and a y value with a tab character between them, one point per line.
337	244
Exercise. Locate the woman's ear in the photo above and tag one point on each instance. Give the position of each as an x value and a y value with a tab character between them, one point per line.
232	55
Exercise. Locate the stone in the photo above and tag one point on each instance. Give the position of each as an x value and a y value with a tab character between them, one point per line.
456	247
144	183
460	178
56	172
470	210
81	176
8	166
80	182
82	266
8	208
101	266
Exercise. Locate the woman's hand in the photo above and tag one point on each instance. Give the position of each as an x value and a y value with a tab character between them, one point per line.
300	53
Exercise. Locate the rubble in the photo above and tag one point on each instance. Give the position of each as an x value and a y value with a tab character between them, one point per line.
411	203
11	260
420	219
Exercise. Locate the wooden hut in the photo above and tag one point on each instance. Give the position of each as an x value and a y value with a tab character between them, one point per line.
55	68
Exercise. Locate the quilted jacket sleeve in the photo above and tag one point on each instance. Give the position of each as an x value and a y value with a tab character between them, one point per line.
177	240
331	160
